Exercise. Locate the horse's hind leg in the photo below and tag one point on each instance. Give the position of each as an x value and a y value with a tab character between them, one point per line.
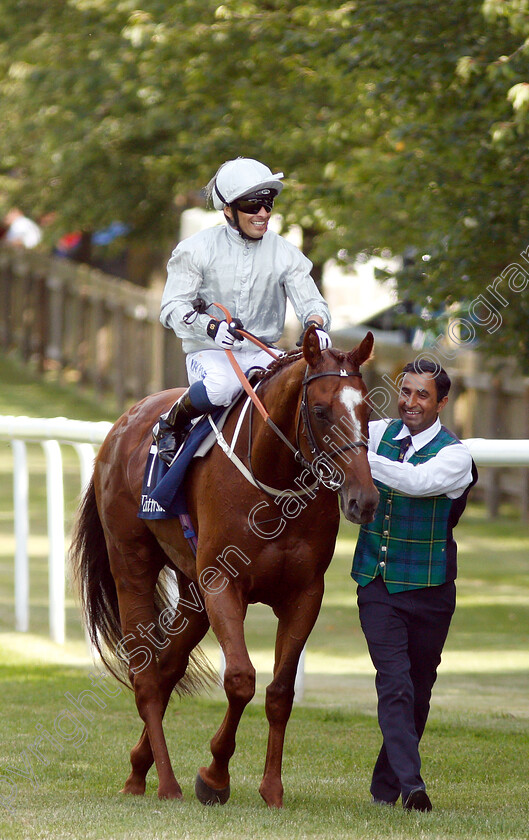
135	568
184	635
226	612
296	620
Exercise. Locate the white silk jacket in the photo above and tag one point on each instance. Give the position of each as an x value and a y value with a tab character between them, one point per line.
251	278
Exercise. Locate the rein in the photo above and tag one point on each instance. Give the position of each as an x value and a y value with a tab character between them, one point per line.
322	471
250	391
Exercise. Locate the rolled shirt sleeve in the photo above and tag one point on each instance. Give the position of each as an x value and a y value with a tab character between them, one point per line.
449	473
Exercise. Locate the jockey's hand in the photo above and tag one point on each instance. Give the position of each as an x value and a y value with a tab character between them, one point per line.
222	333
234	327
323	337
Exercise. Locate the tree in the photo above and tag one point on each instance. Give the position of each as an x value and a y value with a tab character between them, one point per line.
393	121
471	256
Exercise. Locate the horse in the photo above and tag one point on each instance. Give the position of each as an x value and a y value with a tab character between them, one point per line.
266	534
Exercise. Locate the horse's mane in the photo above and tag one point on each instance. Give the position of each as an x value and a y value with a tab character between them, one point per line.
278	364
289	358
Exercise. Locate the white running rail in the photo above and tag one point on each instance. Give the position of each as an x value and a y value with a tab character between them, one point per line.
85	437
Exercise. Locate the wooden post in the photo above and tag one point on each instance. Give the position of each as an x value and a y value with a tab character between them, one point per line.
27	312
119	355
41	321
74	326
141	331
6	296
99	352
155	337
55	330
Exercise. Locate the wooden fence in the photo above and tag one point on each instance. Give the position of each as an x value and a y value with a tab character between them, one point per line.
91	328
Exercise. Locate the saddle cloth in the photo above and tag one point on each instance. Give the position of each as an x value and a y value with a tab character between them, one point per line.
162	495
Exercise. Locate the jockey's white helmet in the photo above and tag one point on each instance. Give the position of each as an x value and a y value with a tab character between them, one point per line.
240	177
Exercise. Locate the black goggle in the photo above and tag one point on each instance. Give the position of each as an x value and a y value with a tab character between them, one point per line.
251	206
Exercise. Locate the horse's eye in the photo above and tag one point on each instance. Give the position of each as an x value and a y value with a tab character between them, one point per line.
319	412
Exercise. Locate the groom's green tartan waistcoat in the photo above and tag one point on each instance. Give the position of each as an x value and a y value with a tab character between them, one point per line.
409	543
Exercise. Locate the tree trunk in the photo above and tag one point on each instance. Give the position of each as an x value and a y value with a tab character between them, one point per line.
308	239
84	253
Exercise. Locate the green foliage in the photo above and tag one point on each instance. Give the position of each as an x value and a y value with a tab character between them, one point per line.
399	124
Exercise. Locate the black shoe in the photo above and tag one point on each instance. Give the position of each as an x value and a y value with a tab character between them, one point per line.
418	800
168	443
172	428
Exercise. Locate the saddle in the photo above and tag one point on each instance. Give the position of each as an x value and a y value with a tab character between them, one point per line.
162	494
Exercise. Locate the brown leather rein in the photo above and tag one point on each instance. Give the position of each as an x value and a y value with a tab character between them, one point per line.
321	471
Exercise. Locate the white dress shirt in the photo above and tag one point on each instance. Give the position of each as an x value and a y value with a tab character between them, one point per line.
449	472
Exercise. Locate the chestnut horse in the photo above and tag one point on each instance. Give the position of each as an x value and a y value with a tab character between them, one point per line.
267	536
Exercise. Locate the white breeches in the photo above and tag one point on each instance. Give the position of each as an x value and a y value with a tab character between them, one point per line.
214	369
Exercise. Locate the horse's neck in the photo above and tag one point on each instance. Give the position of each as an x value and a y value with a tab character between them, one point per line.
281	396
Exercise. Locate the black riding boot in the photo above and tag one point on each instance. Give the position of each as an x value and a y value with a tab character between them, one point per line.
169	432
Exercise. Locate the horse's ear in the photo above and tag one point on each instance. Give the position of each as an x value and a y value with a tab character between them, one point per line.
364	350
311	346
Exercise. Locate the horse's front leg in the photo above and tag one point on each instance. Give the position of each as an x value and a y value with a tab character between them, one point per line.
226	612
296	620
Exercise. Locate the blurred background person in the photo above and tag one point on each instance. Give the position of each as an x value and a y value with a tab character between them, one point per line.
21	231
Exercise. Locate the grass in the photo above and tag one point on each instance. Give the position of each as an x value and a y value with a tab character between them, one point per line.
474	750
475	767
24	393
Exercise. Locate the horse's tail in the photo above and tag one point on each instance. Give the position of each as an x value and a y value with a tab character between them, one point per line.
99	601
95	583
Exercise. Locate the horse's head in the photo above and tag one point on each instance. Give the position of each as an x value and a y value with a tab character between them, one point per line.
335	415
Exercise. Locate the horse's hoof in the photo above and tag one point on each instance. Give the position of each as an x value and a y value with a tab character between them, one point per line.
132	788
208	795
170	794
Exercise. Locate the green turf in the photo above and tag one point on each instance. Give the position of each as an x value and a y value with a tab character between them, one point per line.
475	763
25	393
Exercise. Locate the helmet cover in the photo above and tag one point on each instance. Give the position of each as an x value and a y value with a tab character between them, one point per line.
240	177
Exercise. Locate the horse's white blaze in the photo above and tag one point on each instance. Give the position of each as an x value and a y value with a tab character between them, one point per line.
351	399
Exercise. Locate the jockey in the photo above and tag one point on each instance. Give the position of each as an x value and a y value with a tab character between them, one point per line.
248	269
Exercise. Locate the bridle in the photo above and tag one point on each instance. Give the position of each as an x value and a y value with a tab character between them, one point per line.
305	416
320	468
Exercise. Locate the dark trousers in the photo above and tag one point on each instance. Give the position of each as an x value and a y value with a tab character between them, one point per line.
405	633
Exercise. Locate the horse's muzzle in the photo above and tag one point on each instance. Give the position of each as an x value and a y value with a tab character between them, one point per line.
360	508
